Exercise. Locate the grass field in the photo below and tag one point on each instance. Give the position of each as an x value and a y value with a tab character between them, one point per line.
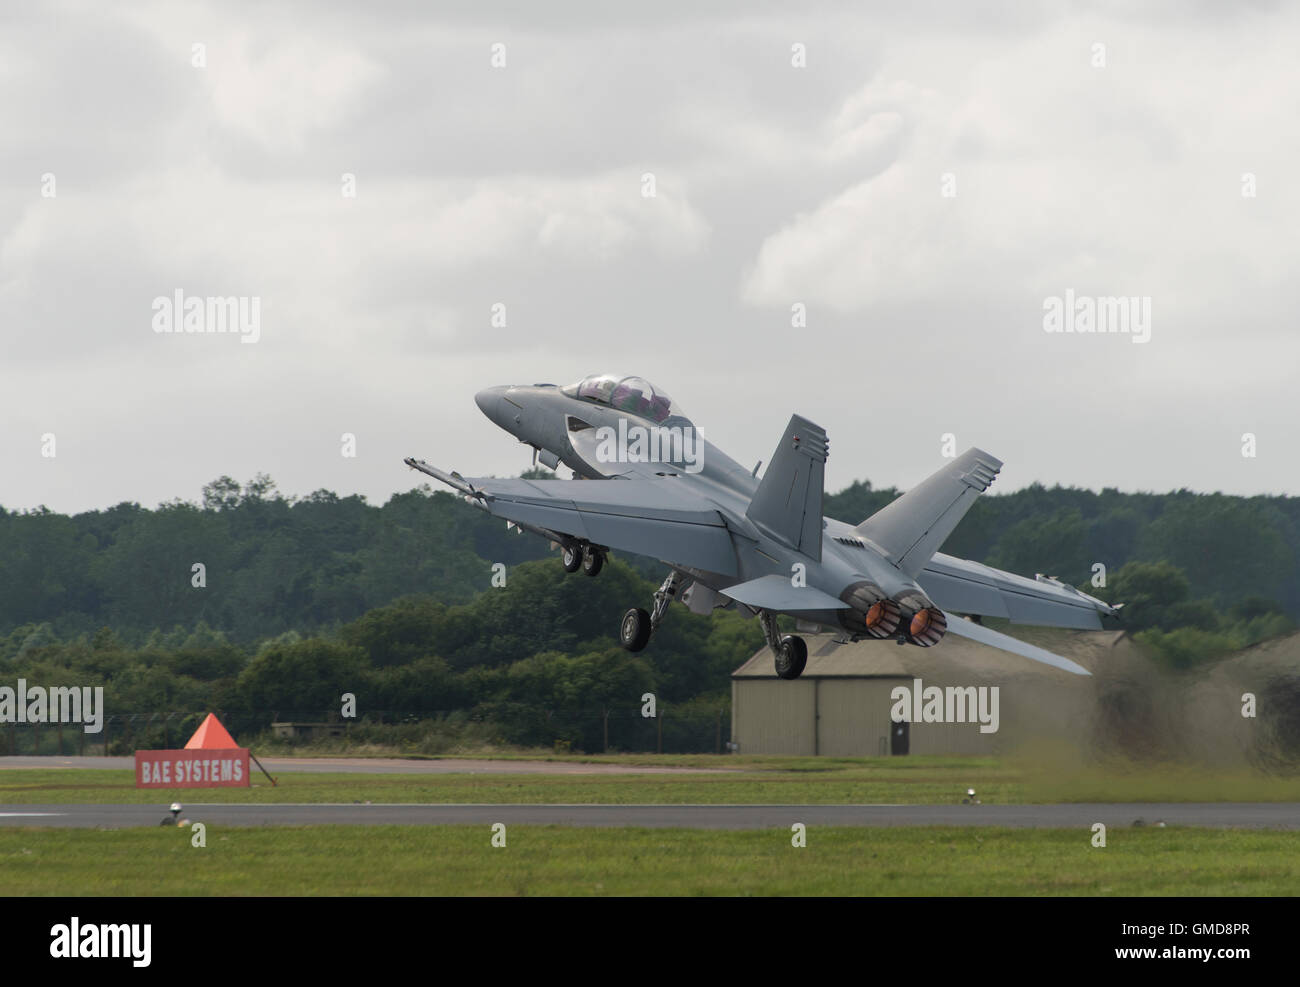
553	860
556	860
754	780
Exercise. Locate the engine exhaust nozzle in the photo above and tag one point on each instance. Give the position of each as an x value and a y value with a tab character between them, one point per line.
882	618
927	627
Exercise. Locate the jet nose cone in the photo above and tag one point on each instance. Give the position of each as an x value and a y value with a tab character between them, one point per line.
488	399
489	402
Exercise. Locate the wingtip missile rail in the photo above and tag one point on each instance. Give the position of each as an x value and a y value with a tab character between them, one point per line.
453	480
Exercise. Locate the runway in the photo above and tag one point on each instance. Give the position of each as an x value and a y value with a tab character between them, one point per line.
384	765
1248	815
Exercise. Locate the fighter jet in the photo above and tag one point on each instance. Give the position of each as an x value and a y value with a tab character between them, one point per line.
646	481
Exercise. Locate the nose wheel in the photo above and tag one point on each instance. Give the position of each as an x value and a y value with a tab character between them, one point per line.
634	632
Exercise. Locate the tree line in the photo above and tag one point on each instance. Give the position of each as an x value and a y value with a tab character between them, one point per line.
530	663
272	564
307	599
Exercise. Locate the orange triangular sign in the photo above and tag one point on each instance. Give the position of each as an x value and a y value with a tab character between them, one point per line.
211	735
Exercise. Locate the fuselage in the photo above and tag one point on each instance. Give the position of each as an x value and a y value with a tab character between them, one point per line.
593	437
647	482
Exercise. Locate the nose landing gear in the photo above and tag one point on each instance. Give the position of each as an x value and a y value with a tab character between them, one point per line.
634	632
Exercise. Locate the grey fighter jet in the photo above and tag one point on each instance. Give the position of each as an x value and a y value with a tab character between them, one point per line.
646	481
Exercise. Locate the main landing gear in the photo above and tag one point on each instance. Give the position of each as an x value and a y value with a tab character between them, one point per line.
791	652
637	626
582	555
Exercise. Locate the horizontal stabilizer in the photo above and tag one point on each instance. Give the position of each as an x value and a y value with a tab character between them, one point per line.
1005	642
909	530
775	592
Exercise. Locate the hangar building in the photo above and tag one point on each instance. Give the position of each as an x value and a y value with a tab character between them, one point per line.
841	705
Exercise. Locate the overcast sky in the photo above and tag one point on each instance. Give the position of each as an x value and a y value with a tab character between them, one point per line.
923	185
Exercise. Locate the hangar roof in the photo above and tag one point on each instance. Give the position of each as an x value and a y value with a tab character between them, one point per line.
953	656
828	660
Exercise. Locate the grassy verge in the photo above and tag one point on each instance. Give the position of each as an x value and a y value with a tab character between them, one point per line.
776	788
768	780
797	780
555	860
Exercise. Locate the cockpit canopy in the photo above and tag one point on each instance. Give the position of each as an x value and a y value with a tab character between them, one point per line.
635	395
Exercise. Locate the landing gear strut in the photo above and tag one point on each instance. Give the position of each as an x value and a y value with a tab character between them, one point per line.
638	625
790	652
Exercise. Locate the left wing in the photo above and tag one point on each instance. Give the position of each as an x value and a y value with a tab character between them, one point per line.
969	587
659	517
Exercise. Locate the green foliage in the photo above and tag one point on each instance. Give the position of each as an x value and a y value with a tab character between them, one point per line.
423	685
1228	547
399	633
1187	646
857	502
271	564
276	564
1149	591
531	663
310	598
1184	632
310	675
1056	545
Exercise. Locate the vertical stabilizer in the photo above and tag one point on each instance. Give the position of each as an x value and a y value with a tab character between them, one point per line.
788	502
